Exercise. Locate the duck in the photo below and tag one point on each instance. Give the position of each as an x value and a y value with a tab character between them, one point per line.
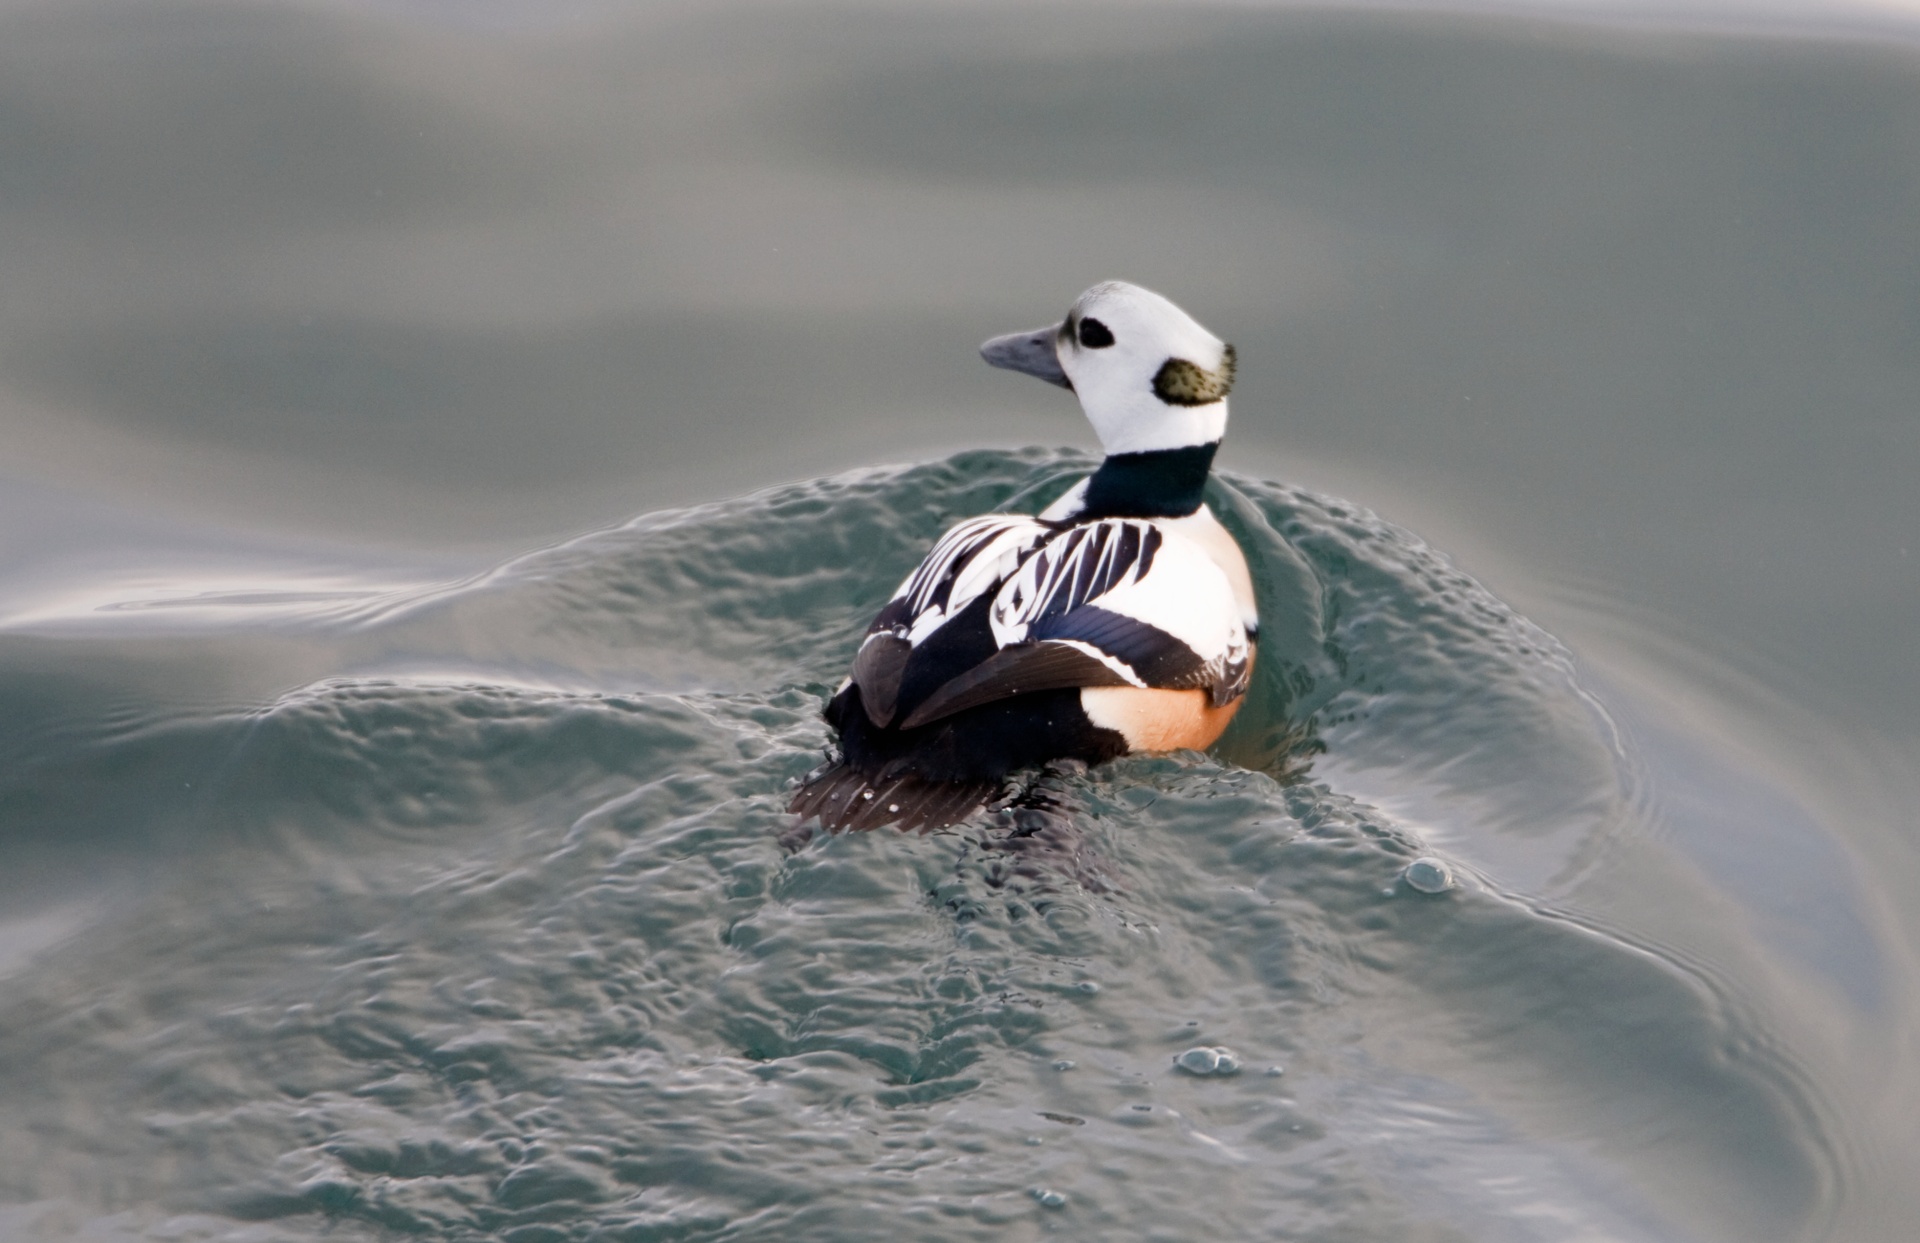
1120	620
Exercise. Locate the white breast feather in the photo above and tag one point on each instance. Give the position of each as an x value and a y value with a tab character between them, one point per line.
1205	529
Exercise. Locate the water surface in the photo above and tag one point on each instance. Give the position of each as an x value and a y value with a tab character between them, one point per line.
450	452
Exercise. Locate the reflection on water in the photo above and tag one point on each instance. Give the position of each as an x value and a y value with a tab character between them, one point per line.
370	873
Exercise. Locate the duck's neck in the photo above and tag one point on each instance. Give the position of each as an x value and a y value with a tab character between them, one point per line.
1162	483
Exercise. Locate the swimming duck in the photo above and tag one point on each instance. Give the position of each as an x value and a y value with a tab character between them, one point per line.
1120	620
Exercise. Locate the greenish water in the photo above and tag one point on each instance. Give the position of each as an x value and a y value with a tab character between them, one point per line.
447	453
486	956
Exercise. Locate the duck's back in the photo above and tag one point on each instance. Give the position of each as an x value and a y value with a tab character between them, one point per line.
1018	641
1119	620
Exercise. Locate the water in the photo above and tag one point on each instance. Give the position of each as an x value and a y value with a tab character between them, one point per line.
392	819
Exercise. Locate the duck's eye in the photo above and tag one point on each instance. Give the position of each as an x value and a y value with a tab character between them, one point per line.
1094	334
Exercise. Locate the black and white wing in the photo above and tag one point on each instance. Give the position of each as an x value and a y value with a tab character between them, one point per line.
970	561
1006	606
1119	602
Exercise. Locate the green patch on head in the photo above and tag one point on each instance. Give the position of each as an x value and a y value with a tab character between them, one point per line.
1183	383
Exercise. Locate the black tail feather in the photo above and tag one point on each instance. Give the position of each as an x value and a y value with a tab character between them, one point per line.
846	800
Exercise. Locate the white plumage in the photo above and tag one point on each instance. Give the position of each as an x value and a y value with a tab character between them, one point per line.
1136	569
1121	619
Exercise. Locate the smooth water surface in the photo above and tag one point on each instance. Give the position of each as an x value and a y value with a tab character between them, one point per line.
451	451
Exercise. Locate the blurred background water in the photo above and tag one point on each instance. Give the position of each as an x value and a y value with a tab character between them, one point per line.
447	452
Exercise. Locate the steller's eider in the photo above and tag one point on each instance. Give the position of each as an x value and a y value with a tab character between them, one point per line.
1118	621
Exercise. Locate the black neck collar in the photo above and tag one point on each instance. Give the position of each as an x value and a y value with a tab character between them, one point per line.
1164	483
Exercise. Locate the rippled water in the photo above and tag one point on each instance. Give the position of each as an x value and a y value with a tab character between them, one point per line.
381	857
476	952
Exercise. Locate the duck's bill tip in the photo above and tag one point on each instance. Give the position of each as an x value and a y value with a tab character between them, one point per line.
1030	353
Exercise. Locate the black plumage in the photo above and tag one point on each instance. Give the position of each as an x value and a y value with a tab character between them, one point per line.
1080	634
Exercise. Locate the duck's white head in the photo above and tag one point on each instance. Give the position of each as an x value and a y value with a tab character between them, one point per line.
1147	374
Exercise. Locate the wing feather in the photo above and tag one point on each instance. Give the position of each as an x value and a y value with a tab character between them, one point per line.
1116	602
1018	670
1155	657
877	669
1153	600
972	558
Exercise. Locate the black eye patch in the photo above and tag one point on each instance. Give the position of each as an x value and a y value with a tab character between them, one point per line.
1094	334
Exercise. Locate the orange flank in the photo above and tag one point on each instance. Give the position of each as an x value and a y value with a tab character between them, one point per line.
1158	720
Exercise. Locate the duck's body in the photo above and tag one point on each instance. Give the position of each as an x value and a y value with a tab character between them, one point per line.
1119	621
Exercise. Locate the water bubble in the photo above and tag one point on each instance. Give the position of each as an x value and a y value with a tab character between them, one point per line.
1065	1063
1049	1198
1209	1060
1088	987
1274	1072
1429	875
